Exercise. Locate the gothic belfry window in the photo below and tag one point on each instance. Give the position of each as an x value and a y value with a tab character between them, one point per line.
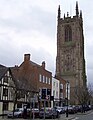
68	33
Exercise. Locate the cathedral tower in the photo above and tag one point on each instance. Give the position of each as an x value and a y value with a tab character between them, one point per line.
70	62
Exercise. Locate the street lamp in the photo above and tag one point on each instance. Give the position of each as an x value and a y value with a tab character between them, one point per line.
67	83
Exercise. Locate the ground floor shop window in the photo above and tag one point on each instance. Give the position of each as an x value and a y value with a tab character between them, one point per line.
5	106
19	105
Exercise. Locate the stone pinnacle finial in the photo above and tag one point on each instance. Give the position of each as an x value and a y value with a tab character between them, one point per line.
80	13
77	11
67	14
59	12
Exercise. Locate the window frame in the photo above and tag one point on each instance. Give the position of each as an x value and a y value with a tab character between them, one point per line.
68	33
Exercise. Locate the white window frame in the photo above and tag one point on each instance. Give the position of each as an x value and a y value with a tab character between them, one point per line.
40	78
61	86
43	79
49	81
53	92
46	80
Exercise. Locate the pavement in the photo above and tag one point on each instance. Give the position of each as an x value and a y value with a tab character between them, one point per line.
70	117
73	116
62	117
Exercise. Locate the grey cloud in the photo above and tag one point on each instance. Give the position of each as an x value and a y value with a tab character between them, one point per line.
40	20
11	56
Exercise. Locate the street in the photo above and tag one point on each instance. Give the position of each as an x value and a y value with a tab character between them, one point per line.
79	116
85	116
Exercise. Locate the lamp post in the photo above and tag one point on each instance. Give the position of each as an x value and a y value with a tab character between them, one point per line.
67	99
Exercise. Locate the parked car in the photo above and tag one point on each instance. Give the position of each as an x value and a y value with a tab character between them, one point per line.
60	110
49	113
35	112
71	110
79	108
17	113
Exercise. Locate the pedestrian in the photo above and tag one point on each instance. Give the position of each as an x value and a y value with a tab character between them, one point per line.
25	113
57	114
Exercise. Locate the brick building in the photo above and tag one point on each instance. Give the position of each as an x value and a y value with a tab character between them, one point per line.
33	76
22	85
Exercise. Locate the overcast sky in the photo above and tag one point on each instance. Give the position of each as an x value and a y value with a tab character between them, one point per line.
30	26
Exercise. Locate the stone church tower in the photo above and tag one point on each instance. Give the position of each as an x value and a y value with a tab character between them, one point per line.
70	62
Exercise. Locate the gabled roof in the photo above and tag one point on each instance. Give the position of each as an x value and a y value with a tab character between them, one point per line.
34	64
3	70
20	80
37	65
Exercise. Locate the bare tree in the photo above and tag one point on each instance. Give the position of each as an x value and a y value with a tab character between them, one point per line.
90	90
25	87
82	94
23	90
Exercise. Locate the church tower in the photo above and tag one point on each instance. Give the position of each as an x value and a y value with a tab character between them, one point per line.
70	62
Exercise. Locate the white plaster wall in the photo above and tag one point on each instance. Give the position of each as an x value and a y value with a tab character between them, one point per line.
10	106
55	87
0	107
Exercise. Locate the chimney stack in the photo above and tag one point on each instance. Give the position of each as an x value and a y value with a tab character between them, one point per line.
43	64
26	57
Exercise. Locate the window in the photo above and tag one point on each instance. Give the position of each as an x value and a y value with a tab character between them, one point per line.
49	81
40	91
68	62
5	106
54	84
53	92
68	33
19	105
57	85
5	80
40	78
61	95
43	78
61	86
7	73
21	94
5	92
46	80
56	93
